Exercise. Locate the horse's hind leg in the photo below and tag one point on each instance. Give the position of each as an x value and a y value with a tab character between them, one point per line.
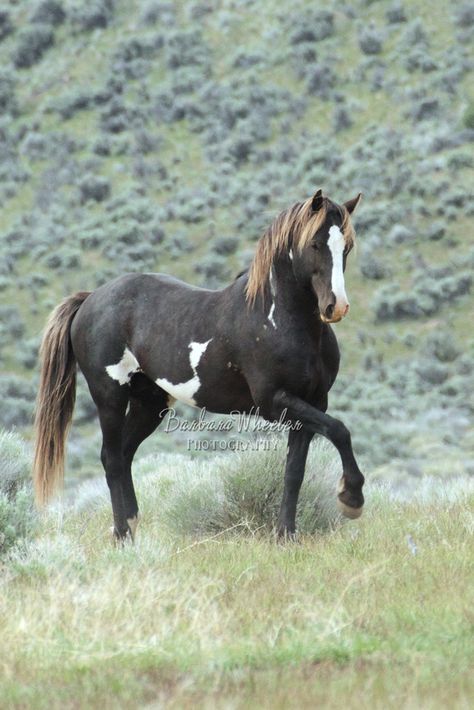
112	418
148	404
298	445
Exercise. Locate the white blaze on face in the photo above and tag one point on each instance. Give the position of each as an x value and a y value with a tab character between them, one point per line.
185	391
124	369
336	244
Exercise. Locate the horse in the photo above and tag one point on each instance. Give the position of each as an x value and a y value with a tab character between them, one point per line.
264	343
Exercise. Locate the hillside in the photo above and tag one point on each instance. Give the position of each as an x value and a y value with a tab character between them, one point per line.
165	136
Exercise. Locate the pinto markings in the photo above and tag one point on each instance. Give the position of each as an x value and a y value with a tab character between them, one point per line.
124	369
271	317
185	391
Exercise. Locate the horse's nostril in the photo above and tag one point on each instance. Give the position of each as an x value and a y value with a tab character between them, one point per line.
329	312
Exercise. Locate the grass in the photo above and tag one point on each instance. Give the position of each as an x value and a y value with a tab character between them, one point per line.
376	613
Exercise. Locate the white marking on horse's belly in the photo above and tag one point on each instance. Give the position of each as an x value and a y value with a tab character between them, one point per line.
336	244
124	369
185	391
270	316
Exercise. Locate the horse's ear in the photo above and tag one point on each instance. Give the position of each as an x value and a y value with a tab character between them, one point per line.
352	204
317	202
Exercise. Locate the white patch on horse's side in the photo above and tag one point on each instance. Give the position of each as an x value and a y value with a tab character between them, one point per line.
185	391
270	316
290	254
197	351
336	244
124	369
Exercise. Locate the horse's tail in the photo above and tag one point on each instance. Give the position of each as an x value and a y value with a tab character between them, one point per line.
56	397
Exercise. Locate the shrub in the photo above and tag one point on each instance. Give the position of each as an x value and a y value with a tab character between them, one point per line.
163	12
468	116
341	118
29	353
32	44
465	14
132	58
226	245
461	160
186	48
426	298
370	41
200	10
94	187
415	35
396	13
320	80
69	104
399	234
50	12
419	59
425	109
11	321
6	25
436	231
8	102
17	397
213	268
15	463
442	346
95	14
244	490
311	26
373	267
35	146
18	519
115	117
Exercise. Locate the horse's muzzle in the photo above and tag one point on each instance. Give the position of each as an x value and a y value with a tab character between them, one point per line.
334	313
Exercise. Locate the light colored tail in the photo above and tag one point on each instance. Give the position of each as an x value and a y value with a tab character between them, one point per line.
56	398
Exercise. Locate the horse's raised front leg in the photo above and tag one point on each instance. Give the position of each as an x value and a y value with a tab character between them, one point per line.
350	497
298	445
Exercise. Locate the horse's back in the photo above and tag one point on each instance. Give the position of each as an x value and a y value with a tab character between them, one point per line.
155	317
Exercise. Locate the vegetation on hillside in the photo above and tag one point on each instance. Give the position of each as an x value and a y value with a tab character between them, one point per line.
166	135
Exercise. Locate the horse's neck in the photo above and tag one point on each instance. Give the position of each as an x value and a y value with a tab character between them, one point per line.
283	289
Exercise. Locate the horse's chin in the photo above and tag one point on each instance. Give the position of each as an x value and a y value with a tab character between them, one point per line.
330	320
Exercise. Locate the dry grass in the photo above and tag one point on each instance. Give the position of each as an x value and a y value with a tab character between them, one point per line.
375	613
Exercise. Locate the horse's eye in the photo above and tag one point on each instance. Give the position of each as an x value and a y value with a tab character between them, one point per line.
315	246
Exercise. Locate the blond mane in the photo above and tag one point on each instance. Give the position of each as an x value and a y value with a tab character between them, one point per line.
294	227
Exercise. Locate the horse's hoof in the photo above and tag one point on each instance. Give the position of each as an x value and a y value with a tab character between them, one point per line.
347	511
119	540
132	525
284	535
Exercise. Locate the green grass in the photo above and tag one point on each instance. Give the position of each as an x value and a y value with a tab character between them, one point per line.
376	613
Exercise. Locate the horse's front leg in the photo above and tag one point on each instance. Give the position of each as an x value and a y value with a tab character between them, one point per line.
350	497
298	445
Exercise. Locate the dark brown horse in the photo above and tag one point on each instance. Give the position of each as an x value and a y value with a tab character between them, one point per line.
144	340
